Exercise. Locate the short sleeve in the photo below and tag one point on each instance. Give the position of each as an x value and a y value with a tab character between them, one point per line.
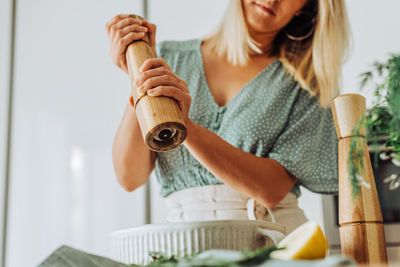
308	146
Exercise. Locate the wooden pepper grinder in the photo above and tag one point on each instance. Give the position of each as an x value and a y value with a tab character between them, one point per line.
361	225
159	117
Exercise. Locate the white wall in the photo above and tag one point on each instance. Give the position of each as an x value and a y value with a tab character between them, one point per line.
69	100
185	19
375	26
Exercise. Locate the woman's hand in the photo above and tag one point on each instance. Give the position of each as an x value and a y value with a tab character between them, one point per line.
157	79
122	30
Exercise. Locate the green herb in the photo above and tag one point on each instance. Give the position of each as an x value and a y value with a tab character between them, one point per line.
222	258
382	121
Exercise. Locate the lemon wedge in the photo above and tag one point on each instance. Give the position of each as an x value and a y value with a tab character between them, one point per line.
305	242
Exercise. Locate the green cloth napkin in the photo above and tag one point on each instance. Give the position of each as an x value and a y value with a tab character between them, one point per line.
66	256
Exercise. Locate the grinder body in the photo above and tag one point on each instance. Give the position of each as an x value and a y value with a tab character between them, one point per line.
160	119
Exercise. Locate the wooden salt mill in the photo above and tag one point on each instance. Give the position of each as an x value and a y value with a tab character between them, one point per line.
361	225
159	117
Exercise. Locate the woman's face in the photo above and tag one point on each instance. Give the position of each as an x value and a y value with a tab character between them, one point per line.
270	16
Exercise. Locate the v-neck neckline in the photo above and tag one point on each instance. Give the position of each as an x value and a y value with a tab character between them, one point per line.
241	91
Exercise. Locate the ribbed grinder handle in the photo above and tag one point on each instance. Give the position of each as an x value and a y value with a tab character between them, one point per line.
361	224
160	118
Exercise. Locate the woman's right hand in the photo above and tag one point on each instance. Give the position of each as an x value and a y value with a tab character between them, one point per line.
122	30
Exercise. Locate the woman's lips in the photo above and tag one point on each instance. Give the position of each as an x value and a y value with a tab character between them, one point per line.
266	9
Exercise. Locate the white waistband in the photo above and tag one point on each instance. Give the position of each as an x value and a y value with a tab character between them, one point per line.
215	202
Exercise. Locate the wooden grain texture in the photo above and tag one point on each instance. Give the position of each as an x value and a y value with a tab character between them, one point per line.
347	110
366	206
136	54
361	224
362	241
154	113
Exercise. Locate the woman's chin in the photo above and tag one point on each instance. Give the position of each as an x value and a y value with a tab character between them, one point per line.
260	26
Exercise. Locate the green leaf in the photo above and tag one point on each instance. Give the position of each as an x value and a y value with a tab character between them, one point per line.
382	120
222	258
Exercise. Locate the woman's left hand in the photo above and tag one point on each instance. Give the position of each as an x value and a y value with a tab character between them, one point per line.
157	79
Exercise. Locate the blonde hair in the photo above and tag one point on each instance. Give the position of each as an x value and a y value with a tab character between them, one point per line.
315	63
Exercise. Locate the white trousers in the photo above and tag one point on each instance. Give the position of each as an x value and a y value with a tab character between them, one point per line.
221	202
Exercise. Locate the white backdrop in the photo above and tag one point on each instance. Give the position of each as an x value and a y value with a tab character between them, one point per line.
375	26
69	100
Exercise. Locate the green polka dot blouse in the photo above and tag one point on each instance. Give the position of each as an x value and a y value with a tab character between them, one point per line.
270	117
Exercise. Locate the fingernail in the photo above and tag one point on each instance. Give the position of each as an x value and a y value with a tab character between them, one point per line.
150	92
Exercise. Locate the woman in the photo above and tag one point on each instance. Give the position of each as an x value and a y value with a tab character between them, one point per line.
255	97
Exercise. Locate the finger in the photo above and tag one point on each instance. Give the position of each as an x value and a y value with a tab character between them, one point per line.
163	80
152	32
114	20
122	23
150	26
136	17
143	76
130	28
160	71
153	63
170	91
173	92
127	39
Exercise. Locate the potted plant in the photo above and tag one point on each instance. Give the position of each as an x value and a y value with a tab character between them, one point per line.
382	121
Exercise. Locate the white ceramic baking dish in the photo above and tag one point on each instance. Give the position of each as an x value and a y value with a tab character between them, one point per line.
132	246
